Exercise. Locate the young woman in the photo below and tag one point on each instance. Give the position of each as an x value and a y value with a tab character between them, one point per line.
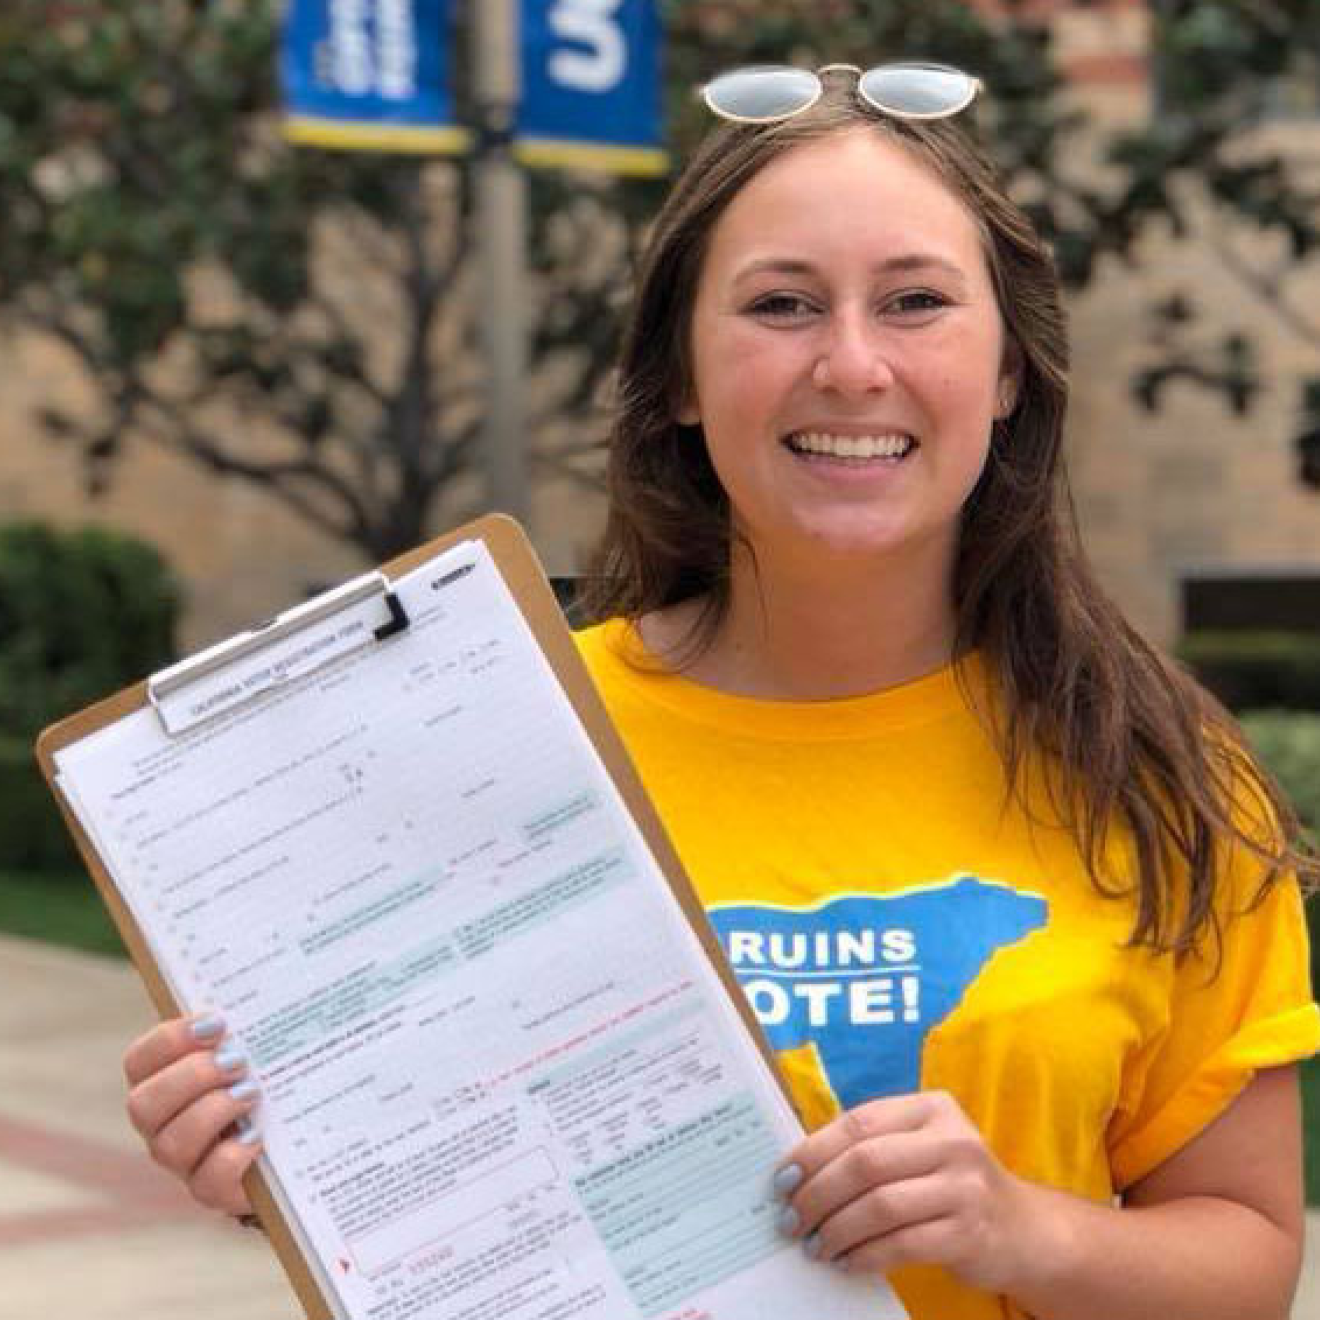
1012	902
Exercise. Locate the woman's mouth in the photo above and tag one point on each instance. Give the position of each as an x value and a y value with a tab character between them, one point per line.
892	445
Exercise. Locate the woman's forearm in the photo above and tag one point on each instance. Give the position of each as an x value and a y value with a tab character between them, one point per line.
1195	1258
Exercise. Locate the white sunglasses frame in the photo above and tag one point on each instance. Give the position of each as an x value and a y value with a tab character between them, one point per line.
974	84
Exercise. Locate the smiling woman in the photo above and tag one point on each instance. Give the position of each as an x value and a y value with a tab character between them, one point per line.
840	550
1011	899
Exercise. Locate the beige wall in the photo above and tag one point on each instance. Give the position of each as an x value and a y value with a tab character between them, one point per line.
238	556
1192	488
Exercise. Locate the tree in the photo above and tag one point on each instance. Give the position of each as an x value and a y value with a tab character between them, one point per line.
1227	73
301	319
304	319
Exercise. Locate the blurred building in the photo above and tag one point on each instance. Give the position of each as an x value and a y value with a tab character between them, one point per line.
1191	494
1187	493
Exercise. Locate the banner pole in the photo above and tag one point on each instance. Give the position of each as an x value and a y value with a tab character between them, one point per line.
501	239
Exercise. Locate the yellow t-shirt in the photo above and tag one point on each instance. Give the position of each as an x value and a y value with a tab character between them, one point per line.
897	927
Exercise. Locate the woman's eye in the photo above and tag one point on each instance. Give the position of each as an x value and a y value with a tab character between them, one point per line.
917	301
781	307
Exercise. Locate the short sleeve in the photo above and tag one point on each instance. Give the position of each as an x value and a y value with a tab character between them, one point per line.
1226	1017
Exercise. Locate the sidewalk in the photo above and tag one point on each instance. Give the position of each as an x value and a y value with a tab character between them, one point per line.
88	1226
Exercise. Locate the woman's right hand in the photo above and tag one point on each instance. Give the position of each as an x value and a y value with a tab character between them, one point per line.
188	1089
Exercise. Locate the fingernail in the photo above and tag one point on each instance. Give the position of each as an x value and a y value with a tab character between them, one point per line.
208	1027
840	1262
788	1222
244	1090
811	1245
229	1058
248	1132
786	1179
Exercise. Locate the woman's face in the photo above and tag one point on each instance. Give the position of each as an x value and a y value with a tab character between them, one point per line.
848	356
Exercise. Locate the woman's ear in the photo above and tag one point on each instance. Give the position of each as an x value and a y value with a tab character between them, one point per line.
688	413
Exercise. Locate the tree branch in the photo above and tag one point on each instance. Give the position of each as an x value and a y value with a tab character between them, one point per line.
179	433
1267	288
327	308
96	360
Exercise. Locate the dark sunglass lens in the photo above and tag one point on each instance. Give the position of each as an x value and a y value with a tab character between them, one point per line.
762	94
917	89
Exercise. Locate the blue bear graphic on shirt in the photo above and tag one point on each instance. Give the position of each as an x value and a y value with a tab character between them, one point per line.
867	978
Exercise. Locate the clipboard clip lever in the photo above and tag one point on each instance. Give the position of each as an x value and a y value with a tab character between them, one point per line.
397	621
286	638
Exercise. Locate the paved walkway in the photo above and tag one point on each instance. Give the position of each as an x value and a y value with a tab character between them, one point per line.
89	1228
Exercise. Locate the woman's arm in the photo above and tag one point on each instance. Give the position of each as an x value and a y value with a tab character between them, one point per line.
1214	1233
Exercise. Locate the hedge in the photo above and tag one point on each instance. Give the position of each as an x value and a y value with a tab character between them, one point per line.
1257	670
1288	742
33	836
82	614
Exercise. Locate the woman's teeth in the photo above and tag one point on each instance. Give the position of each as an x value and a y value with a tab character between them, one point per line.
851	446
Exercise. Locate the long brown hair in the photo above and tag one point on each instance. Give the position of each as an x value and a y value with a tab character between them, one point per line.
1128	735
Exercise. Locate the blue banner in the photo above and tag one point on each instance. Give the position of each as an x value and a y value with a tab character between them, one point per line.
591	85
369	74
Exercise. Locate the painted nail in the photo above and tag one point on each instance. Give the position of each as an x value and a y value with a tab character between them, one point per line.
786	1179
244	1090
811	1245
788	1222
229	1058
208	1027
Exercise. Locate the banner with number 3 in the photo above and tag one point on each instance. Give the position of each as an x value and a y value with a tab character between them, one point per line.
591	85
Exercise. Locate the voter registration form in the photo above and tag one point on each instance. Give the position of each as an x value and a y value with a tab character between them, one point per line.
501	1079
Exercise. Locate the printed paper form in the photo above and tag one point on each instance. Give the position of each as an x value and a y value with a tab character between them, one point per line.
501	1081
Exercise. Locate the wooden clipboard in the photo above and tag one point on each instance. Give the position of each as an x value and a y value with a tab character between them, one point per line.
518	565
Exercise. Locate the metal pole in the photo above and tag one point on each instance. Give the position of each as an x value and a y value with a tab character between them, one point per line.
501	239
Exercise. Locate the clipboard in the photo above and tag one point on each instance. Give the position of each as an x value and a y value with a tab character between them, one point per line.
517	563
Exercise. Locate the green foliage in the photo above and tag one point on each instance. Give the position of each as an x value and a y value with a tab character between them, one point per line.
1248	670
62	909
1288	742
150	210
114	189
1310	1072
33	836
82	614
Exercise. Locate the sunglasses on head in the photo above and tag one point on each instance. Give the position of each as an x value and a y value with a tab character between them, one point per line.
768	93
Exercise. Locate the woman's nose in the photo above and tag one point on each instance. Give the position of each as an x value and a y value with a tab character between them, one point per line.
852	361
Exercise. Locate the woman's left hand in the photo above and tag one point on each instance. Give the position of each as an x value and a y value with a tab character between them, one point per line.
907	1181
